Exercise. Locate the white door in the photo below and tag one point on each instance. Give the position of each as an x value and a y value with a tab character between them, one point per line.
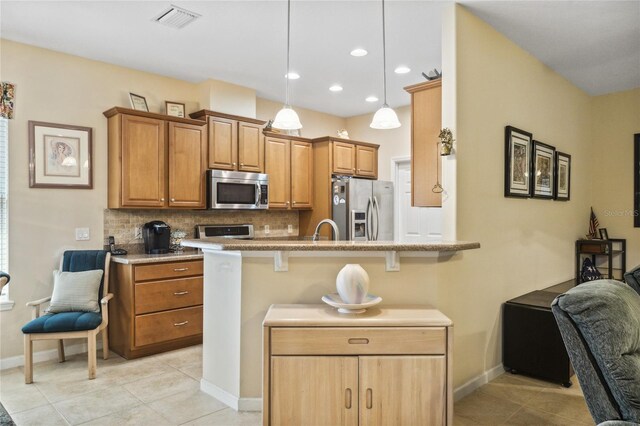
415	224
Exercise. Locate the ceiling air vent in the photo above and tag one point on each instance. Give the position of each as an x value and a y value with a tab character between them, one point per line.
176	17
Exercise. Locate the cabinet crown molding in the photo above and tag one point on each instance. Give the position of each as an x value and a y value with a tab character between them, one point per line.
119	110
204	113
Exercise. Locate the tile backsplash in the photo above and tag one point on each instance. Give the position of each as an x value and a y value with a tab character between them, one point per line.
122	223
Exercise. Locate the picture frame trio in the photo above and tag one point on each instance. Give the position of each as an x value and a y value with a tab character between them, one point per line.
534	169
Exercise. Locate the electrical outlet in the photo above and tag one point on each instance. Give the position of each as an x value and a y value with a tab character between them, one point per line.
137	233
290	229
82	234
266	229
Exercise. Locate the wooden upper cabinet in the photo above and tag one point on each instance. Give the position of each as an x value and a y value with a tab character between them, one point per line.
142	149
235	142
402	390
187	165
344	158
155	161
289	164
250	147
223	145
301	175
366	161
426	122
277	166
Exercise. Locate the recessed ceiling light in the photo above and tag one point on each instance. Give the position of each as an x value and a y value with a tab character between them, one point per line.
336	88
292	76
402	69
371	99
359	52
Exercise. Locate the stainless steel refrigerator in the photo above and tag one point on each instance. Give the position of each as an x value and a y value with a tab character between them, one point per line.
363	209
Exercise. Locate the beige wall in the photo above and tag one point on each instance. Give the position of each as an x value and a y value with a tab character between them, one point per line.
59	88
393	143
314	124
527	244
616	118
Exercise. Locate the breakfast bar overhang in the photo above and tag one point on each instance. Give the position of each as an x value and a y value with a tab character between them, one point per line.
242	278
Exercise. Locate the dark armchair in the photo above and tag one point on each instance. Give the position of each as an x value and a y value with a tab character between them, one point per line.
600	325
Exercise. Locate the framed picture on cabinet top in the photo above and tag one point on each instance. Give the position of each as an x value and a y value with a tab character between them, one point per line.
517	150
542	170
562	177
604	235
139	103
60	156
174	109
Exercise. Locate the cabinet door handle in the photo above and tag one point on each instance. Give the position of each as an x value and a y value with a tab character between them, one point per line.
180	324
180	269
369	398
347	398
293	202
180	293
173	200
234	164
242	164
358	341
161	199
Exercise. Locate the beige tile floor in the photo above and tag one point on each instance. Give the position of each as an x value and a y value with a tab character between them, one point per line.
164	390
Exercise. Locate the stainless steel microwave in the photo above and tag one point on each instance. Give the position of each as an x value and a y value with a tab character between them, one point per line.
237	190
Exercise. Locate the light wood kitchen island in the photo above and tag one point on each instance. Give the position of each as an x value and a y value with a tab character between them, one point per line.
243	278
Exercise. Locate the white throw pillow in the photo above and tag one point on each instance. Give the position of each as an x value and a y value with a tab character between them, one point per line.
75	291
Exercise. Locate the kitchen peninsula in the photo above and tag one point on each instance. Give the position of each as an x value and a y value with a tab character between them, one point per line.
242	278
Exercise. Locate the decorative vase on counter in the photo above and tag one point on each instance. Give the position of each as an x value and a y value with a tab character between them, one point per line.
352	283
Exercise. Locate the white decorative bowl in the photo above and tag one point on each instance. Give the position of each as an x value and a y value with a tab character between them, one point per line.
352	283
336	301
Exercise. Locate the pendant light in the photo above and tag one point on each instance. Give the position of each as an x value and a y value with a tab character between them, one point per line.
287	119
385	117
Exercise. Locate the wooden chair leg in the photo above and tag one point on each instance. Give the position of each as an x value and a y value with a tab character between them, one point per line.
105	344
61	351
28	359
91	354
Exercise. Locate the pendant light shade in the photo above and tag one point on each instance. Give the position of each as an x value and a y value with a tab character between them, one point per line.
385	117
287	119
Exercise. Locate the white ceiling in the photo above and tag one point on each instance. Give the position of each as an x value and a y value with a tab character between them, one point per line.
594	44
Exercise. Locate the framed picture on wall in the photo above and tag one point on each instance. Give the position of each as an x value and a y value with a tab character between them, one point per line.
60	156
563	177
517	150
542	170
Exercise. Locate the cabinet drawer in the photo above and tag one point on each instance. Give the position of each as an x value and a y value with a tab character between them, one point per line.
156	296
168	325
160	271
358	341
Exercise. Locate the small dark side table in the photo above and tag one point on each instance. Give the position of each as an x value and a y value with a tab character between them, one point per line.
531	341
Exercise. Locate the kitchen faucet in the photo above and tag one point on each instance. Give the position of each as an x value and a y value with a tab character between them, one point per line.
336	232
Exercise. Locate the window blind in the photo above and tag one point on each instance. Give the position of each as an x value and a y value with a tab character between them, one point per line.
4	195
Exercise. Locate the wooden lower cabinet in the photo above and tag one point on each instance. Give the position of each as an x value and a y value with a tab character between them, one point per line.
156	307
352	371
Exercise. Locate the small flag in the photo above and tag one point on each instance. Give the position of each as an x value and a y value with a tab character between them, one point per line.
593	225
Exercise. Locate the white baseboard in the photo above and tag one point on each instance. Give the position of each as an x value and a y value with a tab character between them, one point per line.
48	355
238	404
473	384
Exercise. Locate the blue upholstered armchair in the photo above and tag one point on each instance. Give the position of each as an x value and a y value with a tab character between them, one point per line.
600	325
72	324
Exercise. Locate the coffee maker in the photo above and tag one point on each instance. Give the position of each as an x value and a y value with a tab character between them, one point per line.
156	235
